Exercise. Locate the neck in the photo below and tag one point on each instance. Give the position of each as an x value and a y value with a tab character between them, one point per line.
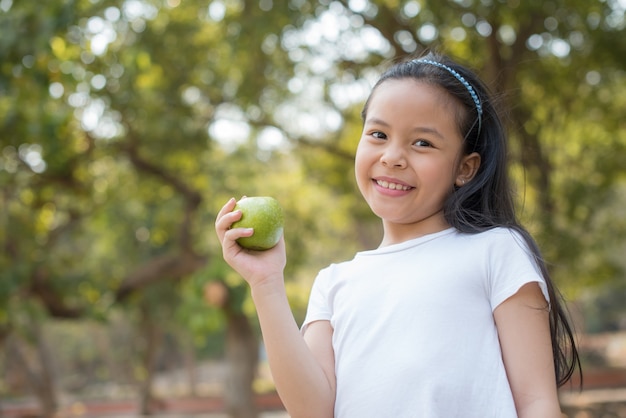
396	233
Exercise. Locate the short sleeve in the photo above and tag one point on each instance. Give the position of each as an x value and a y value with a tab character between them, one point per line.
319	308
512	265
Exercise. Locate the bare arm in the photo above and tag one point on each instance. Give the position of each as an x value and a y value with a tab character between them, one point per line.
302	367
524	331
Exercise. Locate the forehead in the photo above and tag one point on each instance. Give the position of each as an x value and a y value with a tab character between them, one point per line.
407	88
409	94
417	99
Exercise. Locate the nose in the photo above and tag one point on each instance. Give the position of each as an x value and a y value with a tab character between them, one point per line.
393	156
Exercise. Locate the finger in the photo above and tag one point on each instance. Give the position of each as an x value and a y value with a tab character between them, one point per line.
223	220
228	207
224	225
236	233
229	242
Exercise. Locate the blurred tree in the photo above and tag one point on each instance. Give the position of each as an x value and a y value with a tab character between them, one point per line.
107	154
119	145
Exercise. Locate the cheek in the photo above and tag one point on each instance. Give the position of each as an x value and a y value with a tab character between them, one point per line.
361	167
440	173
358	169
358	158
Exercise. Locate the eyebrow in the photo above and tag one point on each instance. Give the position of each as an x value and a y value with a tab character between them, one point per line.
420	129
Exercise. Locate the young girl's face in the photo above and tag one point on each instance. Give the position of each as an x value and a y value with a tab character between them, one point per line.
409	157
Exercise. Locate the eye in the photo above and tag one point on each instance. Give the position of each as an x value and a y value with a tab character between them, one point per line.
379	135
422	143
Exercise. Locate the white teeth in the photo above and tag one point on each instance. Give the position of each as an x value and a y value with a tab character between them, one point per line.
392	186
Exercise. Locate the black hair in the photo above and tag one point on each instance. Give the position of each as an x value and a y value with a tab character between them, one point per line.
486	201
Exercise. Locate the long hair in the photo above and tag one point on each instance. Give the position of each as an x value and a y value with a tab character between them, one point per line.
486	202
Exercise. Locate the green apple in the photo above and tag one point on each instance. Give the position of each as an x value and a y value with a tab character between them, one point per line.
265	216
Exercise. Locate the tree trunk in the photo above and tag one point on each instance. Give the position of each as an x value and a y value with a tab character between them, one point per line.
152	339
190	362
41	381
242	358
47	392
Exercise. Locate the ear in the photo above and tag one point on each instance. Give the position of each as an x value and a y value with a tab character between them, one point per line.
468	167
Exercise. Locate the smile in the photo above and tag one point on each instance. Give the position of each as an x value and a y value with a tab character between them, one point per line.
392	186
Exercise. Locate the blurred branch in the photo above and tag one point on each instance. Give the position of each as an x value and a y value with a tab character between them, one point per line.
164	267
323	144
40	280
327	146
171	266
142	164
191	197
502	68
40	286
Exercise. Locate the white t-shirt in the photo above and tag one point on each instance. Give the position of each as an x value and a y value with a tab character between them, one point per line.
413	327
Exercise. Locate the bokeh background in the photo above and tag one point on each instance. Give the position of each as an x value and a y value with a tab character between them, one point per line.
126	124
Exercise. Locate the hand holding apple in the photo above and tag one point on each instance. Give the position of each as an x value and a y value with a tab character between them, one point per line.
261	220
265	216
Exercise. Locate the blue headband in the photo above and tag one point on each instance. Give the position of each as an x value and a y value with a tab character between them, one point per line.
468	86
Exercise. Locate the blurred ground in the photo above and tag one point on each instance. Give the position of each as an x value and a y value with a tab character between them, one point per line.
604	396
592	403
269	406
607	402
596	403
172	398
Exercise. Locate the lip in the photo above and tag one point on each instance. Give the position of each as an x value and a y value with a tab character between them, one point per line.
406	188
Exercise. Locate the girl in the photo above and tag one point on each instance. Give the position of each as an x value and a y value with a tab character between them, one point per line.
454	315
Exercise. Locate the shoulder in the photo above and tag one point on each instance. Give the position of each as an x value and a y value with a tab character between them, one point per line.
499	237
504	248
327	275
